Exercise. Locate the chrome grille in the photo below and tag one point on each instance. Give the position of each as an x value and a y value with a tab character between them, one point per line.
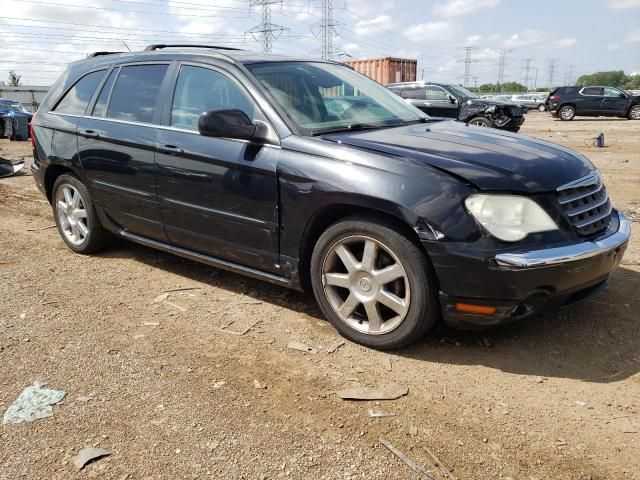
586	204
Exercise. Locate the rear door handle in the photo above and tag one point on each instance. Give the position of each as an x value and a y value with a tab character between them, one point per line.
171	149
91	134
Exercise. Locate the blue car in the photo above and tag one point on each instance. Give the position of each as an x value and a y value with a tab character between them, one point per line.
14	120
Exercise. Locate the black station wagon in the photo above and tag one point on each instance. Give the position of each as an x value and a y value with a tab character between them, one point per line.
309	175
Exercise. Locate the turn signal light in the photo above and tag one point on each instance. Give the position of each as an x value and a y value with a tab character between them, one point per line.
481	309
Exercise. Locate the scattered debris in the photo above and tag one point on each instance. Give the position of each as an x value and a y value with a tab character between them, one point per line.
243	332
219	383
580	404
151	324
295	345
181	289
382	392
626	425
87	455
41	228
421	472
446	470
258	385
175	305
386	361
161	298
335	346
84	398
33	403
413	430
376	414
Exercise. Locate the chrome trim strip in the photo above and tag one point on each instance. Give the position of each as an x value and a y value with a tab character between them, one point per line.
566	200
591	220
578	211
591	178
569	253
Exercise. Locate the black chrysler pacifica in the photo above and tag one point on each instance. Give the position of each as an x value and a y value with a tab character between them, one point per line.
309	175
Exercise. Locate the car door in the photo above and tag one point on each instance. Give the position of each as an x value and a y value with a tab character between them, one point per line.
615	102
590	101
116	147
415	96
440	101
218	196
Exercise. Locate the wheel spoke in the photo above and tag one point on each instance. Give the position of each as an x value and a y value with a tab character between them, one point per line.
68	195
80	213
337	280
349	261
392	301
349	305
74	232
82	229
62	206
64	222
373	315
389	274
369	255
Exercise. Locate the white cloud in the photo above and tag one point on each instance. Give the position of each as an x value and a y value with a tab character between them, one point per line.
473	40
621	4
374	26
432	31
564	43
633	36
526	38
458	8
367	8
613	46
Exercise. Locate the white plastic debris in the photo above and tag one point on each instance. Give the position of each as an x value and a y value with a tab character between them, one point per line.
34	402
87	455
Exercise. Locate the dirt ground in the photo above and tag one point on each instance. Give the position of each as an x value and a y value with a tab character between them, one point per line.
157	384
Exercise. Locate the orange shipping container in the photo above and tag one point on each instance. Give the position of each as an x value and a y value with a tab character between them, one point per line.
386	70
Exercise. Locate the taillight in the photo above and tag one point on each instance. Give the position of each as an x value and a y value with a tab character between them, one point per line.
554	97
33	140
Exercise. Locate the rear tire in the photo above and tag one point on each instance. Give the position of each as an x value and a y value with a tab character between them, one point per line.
383	294
567	113
634	113
481	122
76	216
542	107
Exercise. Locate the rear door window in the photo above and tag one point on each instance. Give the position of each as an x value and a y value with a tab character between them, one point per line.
135	93
413	93
100	108
593	91
76	100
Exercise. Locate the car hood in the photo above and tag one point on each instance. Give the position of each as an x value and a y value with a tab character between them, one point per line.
488	158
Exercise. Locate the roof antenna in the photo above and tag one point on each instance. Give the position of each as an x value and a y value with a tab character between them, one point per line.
126	46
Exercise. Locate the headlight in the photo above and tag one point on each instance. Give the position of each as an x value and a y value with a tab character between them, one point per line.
509	217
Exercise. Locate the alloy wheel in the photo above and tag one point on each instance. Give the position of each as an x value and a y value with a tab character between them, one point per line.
566	113
72	215
635	112
366	285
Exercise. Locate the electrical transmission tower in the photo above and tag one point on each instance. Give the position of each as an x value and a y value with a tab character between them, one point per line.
527	72
552	72
266	31
568	79
467	64
326	29
503	56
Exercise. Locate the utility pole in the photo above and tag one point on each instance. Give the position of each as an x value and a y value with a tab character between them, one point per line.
326	29
501	64
467	64
552	72
527	71
266	31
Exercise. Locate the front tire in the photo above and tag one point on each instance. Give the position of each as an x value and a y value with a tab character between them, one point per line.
76	216
567	113
634	113
481	122
375	285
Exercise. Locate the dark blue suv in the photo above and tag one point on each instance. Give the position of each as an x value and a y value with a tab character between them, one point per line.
309	175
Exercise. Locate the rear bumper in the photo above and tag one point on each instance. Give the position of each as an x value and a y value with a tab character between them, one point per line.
526	283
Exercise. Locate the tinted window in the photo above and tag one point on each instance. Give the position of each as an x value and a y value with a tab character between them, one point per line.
136	92
592	91
199	90
436	93
612	92
415	93
76	100
100	108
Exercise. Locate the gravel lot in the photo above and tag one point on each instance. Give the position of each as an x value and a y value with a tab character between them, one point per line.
156	383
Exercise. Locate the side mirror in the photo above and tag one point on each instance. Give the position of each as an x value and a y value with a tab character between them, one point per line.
452	99
231	123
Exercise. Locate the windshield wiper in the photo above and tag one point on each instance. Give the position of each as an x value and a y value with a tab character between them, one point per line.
354	127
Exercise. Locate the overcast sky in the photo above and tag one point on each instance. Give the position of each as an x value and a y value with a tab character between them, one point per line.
41	36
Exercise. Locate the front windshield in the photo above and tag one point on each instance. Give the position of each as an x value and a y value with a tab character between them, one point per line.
323	97
461	91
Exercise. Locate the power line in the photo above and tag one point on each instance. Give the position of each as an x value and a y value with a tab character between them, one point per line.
326	28
501	64
266	31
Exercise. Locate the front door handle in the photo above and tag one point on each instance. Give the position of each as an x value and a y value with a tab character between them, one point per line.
91	134
171	149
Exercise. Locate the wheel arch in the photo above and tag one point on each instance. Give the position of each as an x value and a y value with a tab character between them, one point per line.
52	173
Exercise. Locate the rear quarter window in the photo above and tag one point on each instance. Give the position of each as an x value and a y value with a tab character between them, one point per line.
75	101
135	93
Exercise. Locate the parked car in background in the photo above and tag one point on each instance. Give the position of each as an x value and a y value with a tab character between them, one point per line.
531	102
305	173
14	120
454	101
568	102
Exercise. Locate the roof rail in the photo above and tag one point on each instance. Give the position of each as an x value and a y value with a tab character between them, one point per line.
158	46
99	54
